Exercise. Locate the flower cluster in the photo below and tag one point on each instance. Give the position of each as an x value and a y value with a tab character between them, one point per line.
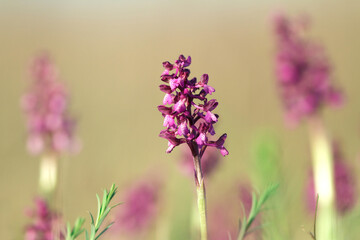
345	187
140	207
46	224
50	127
303	71
185	120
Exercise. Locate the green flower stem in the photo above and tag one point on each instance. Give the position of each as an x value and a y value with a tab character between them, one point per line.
201	197
323	168
194	222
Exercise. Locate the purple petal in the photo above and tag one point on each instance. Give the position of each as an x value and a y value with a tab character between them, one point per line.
165	88
201	139
165	110
208	89
204	79
183	130
211	105
180	107
170	147
168	99
169	122
167	65
224	152
174	83
210	117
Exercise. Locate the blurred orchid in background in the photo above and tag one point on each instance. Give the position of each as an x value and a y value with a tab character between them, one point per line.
45	225
141	206
50	127
303	71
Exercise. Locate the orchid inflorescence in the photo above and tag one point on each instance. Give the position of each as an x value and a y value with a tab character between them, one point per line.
50	127
303	71
187	121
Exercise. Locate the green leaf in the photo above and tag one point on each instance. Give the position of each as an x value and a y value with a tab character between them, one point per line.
256	207
103	231
92	218
86	235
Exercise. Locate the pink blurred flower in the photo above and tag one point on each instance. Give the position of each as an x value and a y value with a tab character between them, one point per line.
46	224
140	208
50	127
303	71
345	188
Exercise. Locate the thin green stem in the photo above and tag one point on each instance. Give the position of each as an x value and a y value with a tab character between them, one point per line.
201	197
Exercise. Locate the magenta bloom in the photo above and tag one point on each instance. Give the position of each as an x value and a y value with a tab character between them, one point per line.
303	72
187	121
50	128
345	188
139	209
46	225
209	162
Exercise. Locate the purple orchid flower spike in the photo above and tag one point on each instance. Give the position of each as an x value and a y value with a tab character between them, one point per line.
303	71
186	121
189	118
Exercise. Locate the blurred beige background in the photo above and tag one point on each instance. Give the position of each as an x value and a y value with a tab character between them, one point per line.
109	54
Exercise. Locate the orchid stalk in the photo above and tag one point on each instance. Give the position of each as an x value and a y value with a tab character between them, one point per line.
189	122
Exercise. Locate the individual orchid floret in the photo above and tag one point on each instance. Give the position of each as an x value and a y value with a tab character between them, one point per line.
345	187
140	207
188	114
303	71
50	127
46	225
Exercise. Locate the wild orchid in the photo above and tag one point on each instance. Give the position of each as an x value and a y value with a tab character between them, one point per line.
51	129
305	83
189	119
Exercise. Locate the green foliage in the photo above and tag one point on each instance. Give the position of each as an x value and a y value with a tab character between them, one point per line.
256	207
102	212
72	234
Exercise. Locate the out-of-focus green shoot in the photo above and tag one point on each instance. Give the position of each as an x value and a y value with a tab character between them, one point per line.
256	207
266	158
73	233
102	212
267	168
